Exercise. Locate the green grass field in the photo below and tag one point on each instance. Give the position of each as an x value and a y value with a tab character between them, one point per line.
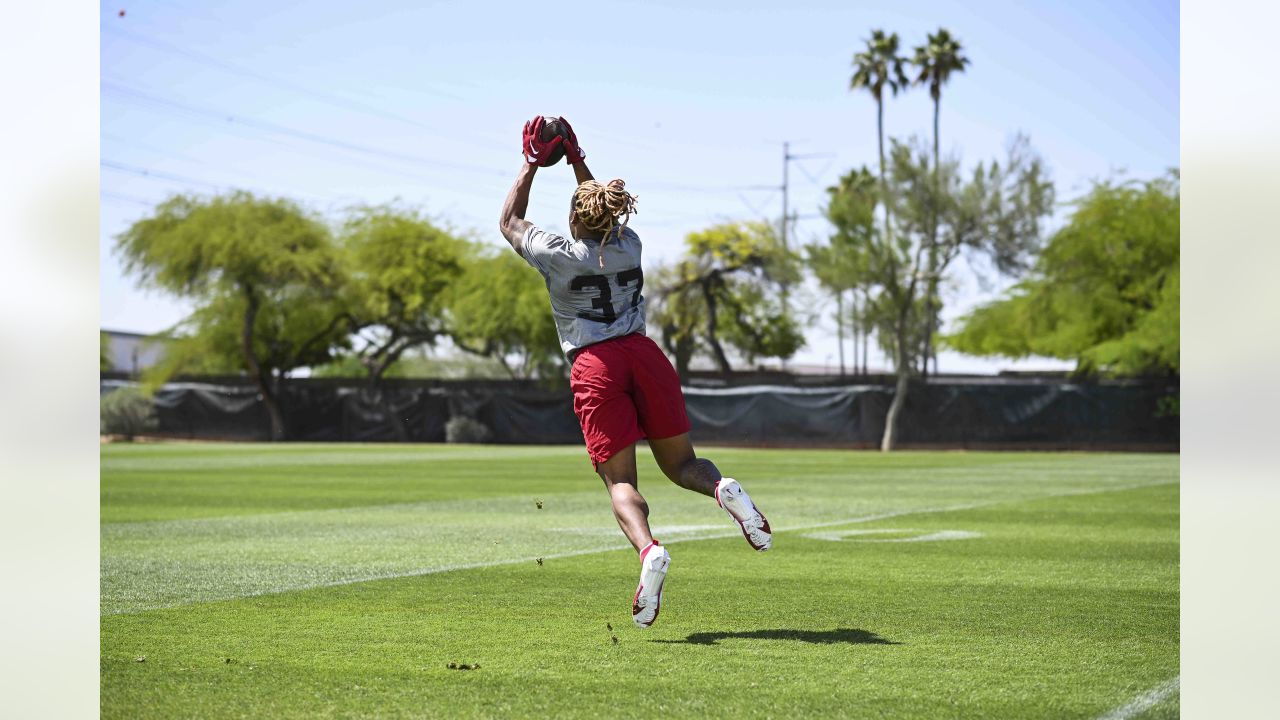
308	581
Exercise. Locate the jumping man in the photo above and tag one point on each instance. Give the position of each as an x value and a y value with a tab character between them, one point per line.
624	388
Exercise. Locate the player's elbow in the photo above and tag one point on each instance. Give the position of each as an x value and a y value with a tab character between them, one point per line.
510	228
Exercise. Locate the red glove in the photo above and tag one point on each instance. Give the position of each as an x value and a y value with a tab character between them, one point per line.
536	150
572	153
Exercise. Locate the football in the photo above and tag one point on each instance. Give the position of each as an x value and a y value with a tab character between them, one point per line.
552	127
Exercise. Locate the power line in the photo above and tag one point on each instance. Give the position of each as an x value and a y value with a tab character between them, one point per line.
758	208
174	177
678	187
787	159
206	113
157	174
129	92
823	171
428	182
152	149
350	104
147	99
200	57
328	98
121	197
336	100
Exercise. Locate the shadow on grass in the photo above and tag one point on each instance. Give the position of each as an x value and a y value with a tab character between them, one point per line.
818	637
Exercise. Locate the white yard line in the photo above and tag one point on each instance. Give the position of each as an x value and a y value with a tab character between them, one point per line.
622	546
972	506
1145	701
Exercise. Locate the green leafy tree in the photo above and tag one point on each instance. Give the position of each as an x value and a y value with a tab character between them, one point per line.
878	67
1104	292
728	289
677	314
498	308
996	213
935	62
294	328
400	268
839	265
262	272
827	263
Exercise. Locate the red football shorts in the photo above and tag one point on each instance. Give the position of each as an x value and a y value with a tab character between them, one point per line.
625	389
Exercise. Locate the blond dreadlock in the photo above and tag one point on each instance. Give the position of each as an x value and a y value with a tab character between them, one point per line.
599	207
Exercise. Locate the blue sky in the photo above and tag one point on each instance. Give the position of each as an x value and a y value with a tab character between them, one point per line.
335	104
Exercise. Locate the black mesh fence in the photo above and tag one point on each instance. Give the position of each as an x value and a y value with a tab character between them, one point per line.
958	413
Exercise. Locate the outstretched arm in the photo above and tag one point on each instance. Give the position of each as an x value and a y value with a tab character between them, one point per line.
512	223
581	173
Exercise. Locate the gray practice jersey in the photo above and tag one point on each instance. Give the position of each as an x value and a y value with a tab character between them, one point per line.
589	304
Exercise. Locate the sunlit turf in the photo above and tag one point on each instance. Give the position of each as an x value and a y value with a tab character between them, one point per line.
340	581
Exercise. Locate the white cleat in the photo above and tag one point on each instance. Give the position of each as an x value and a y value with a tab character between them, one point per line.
736	502
654	561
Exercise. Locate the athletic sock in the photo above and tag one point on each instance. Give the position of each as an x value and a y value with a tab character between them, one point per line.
645	550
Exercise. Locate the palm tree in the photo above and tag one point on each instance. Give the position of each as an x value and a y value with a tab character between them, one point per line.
935	61
875	68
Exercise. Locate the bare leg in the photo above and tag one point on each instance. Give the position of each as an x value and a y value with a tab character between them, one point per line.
675	457
679	463
629	507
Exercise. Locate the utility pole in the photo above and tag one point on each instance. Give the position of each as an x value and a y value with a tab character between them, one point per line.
787	157
787	218
786	164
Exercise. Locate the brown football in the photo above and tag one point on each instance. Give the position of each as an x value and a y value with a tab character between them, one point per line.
552	127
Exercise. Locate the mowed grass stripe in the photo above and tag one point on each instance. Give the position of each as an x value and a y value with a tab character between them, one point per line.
1064	607
226	559
180	481
164	482
150	564
229	456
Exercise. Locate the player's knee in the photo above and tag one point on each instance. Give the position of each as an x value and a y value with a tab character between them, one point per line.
626	494
620	481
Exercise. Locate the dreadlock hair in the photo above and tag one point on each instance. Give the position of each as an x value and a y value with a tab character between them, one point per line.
599	207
